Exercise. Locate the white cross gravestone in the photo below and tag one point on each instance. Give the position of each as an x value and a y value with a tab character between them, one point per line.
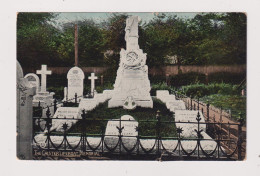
44	97
43	72
92	78
24	96
75	78
34	81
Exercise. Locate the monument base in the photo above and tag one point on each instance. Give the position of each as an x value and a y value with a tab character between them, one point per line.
148	103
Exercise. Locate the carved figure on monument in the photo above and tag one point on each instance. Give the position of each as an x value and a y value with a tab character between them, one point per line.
131	32
132	74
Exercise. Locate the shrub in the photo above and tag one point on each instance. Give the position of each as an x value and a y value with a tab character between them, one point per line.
159	86
213	88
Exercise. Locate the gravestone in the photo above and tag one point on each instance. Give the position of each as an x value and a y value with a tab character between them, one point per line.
44	97
92	78
132	74
24	96
129	132
75	78
60	116
189	116
33	80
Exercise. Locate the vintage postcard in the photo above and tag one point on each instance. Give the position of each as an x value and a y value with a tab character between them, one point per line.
160	86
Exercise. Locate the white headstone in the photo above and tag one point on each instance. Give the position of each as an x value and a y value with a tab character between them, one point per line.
92	78
129	132
34	81
75	78
189	116
67	112
43	72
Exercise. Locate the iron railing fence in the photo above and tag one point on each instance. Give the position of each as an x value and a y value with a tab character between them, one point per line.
120	146
219	116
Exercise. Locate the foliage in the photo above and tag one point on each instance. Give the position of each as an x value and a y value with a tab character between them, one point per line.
208	38
146	128
159	86
235	103
213	88
186	79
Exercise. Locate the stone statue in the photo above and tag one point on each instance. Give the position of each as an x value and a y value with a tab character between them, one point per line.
131	32
132	86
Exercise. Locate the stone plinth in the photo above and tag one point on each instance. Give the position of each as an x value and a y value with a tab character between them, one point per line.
24	95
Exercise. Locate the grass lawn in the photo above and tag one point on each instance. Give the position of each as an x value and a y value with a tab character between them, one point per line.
235	103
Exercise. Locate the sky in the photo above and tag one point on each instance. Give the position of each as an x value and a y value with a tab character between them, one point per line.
101	16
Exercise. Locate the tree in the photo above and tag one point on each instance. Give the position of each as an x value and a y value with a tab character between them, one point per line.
36	39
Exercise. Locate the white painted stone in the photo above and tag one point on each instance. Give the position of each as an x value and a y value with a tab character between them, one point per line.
175	105
189	116
132	74
24	96
129	133
161	94
75	78
43	72
92	78
100	97
88	104
67	112
64	112
108	93
33	80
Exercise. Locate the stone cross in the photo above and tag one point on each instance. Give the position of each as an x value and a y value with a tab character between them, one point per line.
43	72
92	78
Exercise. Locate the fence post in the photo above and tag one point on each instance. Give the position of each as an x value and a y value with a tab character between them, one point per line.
208	111
55	105
158	131
76	96
198	103
240	137
190	103
102	80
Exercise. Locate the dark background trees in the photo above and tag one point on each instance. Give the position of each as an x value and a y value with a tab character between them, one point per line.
206	39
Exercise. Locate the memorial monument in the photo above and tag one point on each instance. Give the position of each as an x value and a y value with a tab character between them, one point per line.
132	81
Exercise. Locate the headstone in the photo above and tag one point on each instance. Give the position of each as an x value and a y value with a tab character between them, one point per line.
34	81
189	116
75	78
92	78
65	94
132	74
129	131
60	116
43	72
24	96
67	112
44	97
